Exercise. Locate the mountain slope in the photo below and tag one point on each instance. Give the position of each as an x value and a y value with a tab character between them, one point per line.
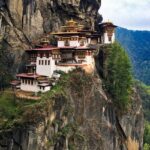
137	44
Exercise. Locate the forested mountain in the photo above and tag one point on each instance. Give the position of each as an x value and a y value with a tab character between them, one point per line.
137	44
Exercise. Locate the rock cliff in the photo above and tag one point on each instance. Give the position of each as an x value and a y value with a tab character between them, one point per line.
23	21
35	17
79	115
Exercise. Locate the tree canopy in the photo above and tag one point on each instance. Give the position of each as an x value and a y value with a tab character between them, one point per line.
119	79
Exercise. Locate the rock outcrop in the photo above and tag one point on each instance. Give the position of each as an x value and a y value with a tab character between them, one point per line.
80	117
35	17
24	21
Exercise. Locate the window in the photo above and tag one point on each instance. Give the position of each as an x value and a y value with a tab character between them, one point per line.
82	43
110	39
25	81
48	62
39	62
67	43
42	62
31	82
45	62
81	55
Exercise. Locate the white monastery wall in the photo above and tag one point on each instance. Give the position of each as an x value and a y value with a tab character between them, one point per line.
30	88
44	68
61	43
90	60
106	39
65	69
47	88
74	43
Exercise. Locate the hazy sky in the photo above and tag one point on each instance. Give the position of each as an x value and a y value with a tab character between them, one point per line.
131	14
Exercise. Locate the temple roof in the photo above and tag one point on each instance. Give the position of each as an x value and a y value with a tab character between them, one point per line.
44	84
28	75
84	48
68	47
47	48
77	48
106	24
15	82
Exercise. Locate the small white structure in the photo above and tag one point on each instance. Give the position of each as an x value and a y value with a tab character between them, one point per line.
108	32
30	83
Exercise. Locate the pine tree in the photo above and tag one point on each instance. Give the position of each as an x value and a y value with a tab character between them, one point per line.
119	79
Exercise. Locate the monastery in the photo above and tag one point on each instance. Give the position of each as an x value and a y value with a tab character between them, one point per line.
75	48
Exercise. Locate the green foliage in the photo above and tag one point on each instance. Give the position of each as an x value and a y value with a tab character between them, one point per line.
147	133
137	45
10	110
7	106
119	79
6	61
147	136
146	146
144	92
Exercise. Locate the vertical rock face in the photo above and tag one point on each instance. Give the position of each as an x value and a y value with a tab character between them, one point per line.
82	119
33	17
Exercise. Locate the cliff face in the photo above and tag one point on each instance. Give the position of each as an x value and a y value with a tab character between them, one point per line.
23	21
33	17
79	116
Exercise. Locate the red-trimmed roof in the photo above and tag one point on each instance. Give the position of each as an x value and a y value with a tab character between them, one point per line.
81	47
104	24
67	47
28	75
15	82
44	48
76	48
67	64
44	84
84	48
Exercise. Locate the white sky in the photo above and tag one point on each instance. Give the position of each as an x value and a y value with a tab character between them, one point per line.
131	14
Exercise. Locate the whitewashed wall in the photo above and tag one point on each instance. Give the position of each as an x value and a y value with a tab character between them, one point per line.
65	69
47	88
61	44
30	88
45	70
106	39
74	43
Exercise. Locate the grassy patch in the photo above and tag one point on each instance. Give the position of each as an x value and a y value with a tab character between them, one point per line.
10	110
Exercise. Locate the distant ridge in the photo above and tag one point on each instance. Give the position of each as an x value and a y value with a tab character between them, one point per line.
137	45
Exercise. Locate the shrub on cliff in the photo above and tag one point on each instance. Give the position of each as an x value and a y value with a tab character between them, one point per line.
119	78
147	136
6	61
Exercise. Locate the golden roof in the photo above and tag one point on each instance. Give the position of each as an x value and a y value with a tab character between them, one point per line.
70	27
71	23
